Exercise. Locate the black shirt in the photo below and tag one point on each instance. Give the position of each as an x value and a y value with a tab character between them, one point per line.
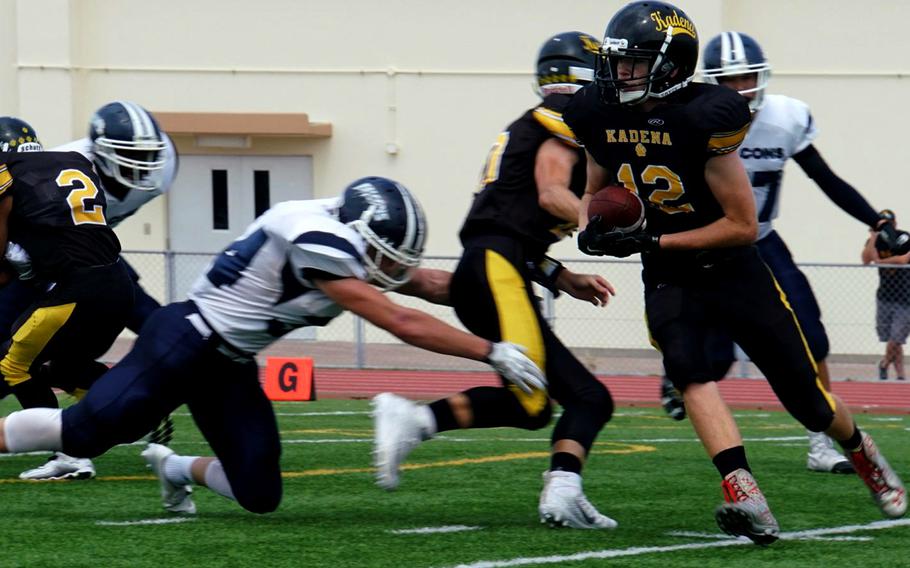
58	211
507	203
661	154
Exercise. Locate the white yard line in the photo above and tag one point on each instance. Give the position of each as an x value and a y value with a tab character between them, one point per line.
641	550
719	536
164	521
435	530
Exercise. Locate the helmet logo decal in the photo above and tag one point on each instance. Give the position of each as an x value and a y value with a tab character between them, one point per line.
371	195
98	125
676	23
589	43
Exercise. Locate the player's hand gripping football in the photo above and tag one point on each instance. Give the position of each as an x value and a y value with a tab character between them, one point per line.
615	243
509	360
591	288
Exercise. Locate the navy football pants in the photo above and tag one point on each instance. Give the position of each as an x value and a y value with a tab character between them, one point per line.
173	363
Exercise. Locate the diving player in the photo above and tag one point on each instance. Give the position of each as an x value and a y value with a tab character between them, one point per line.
300	264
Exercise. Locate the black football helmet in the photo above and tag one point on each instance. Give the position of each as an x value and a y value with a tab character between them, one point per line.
733	53
566	62
16	135
128	145
657	34
391	222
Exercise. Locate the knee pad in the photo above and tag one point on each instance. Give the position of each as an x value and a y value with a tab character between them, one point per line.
818	344
539	420
494	407
583	419
261	501
815	419
258	487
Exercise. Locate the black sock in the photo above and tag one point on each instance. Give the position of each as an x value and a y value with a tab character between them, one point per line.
445	419
730	460
35	394
564	461
854	442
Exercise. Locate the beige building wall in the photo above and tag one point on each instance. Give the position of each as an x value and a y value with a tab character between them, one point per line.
418	90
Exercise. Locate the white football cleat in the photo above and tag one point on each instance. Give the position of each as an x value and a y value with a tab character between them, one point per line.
174	498
563	504
61	466
885	486
823	457
745	511
399	425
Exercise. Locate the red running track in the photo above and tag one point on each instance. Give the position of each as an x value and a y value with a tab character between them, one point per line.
626	390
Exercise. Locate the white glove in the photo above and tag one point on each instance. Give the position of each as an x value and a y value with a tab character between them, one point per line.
19	260
509	360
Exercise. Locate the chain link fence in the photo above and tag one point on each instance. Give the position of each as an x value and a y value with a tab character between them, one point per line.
610	340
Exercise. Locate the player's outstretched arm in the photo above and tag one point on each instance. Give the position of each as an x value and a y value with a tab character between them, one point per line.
423	330
840	192
428	284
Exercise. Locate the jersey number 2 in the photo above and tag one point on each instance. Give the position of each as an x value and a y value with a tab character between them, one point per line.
83	189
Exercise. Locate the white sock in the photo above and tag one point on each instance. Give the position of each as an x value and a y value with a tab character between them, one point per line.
33	429
177	469
428	421
217	481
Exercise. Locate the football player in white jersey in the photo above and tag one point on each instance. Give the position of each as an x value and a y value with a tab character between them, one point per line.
136	162
783	128
300	264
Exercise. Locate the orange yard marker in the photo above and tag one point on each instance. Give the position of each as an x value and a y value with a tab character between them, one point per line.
289	378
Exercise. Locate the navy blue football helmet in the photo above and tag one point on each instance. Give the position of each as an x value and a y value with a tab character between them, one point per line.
392	223
16	135
128	145
733	53
656	34
565	63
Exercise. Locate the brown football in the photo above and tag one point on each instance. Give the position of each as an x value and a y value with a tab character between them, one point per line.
619	209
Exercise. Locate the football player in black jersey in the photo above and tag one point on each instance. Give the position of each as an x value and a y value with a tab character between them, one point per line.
51	207
673	143
529	199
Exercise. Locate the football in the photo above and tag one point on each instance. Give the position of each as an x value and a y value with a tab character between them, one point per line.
619	209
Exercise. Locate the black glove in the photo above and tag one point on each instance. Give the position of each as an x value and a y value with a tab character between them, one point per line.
615	243
891	242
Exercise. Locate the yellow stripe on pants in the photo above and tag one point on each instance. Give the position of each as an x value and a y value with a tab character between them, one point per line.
517	321
818	381
30	339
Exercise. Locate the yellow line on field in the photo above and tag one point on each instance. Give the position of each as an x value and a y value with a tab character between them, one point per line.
617	448
340	432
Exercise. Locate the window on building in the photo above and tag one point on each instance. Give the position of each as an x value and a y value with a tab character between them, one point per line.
261	199
220	199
